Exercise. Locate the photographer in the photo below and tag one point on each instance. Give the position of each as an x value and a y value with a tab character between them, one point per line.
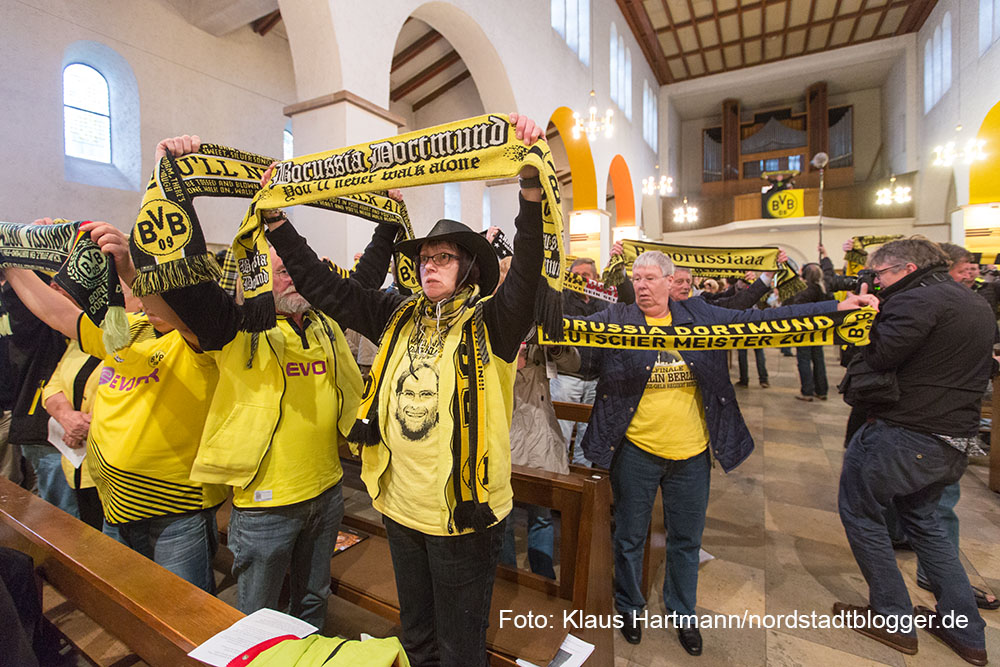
936	337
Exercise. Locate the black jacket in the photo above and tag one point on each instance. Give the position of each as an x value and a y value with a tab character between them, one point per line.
33	350
938	336
508	315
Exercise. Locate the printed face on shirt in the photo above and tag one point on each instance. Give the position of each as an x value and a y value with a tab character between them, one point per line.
417	402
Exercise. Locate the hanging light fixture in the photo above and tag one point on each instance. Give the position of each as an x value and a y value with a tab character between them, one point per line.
947	155
894	194
593	125
685	213
664	186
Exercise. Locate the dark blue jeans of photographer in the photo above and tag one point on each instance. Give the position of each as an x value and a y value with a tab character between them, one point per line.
886	464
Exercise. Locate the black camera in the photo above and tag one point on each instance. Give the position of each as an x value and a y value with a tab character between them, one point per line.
854	283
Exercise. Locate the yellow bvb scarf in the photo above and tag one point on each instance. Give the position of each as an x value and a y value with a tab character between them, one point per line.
708	262
167	243
480	148
469	479
842	327
858	254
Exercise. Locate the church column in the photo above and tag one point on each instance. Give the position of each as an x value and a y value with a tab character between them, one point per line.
333	121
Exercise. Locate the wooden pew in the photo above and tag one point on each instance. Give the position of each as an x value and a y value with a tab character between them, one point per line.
363	574
656	541
155	613
993	411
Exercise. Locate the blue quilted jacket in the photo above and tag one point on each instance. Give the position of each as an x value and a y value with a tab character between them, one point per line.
623	374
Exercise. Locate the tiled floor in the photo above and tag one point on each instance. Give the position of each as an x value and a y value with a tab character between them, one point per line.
779	546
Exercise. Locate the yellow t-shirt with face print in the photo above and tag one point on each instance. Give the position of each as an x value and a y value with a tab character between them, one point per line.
670	419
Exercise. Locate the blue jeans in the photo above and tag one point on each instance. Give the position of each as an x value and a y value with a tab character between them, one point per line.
445	586
52	485
887	464
635	477
812	370
182	543
946	513
541	539
297	538
569	389
741	356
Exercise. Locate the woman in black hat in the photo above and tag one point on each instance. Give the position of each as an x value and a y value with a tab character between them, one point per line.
436	413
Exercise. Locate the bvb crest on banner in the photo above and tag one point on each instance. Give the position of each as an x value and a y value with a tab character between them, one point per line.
782	204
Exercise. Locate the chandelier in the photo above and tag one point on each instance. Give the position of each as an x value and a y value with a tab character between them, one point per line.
946	155
894	194
593	125
685	213
665	185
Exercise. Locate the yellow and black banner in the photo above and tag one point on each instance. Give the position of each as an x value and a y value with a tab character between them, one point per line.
856	257
783	204
707	262
167	243
591	288
483	147
842	327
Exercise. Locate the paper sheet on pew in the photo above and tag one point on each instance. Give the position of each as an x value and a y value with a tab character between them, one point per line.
248	632
573	653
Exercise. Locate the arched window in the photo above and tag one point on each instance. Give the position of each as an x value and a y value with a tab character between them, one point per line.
86	113
101	120
571	19
937	63
928	77
288	146
613	63
649	114
989	24
628	84
946	53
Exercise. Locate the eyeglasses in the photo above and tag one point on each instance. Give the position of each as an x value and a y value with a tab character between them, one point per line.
878	272
439	259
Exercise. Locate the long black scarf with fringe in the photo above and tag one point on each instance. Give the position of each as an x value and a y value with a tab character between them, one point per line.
469	478
76	264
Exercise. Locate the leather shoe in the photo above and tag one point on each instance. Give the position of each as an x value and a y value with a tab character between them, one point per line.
690	640
933	625
631	630
862	623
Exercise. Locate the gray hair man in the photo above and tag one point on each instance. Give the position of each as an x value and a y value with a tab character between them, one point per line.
658	418
936	336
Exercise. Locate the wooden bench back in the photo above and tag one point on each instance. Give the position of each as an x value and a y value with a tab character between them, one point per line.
155	613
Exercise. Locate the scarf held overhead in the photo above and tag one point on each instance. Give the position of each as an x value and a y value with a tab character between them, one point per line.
706	262
78	266
842	327
167	243
484	147
858	254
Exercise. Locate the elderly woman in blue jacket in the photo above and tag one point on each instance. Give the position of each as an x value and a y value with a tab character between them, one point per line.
658	418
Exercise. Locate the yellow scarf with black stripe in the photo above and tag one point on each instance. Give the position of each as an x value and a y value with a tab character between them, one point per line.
167	243
707	262
423	322
480	148
858	254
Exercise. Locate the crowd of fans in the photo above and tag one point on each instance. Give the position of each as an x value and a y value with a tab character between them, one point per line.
195	410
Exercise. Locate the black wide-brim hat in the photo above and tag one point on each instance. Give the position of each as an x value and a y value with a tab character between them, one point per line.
461	235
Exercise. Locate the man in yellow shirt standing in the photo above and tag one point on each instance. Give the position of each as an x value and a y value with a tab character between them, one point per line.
285	396
152	400
658	418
